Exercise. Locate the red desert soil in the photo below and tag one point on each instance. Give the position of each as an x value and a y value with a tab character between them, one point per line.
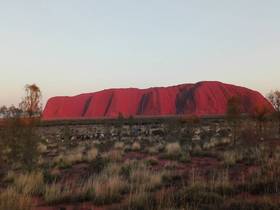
203	98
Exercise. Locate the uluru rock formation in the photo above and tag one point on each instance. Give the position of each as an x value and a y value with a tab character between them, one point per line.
202	98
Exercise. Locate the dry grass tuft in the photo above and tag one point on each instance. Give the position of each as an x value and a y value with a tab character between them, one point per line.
91	154
142	177
140	200
230	158
119	145
136	146
72	158
69	158
108	189
113	155
10	176
42	148
173	149
30	184
57	193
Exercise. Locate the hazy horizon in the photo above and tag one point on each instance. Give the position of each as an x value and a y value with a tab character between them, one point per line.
73	47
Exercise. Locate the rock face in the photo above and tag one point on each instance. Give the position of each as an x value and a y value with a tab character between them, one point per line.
203	98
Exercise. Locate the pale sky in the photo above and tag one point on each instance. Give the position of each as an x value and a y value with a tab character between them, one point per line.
69	47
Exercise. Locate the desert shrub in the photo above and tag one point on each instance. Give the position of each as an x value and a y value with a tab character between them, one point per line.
165	199
185	157
136	146
200	196
30	184
113	155
105	187
196	149
56	192
72	158
70	192
91	154
173	165
42	148
69	158
256	155
119	145
62	165
10	199
141	200
9	177
50	176
141	176
153	150
216	182
152	161
108	189
173	150
219	182
96	166
171	179
112	169
230	158
126	170
265	181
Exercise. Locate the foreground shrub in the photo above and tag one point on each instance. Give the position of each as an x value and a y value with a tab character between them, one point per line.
10	199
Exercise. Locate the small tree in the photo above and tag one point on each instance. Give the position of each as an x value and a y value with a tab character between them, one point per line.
274	98
233	114
31	103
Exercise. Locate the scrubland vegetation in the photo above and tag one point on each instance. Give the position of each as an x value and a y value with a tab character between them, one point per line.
179	172
137	175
